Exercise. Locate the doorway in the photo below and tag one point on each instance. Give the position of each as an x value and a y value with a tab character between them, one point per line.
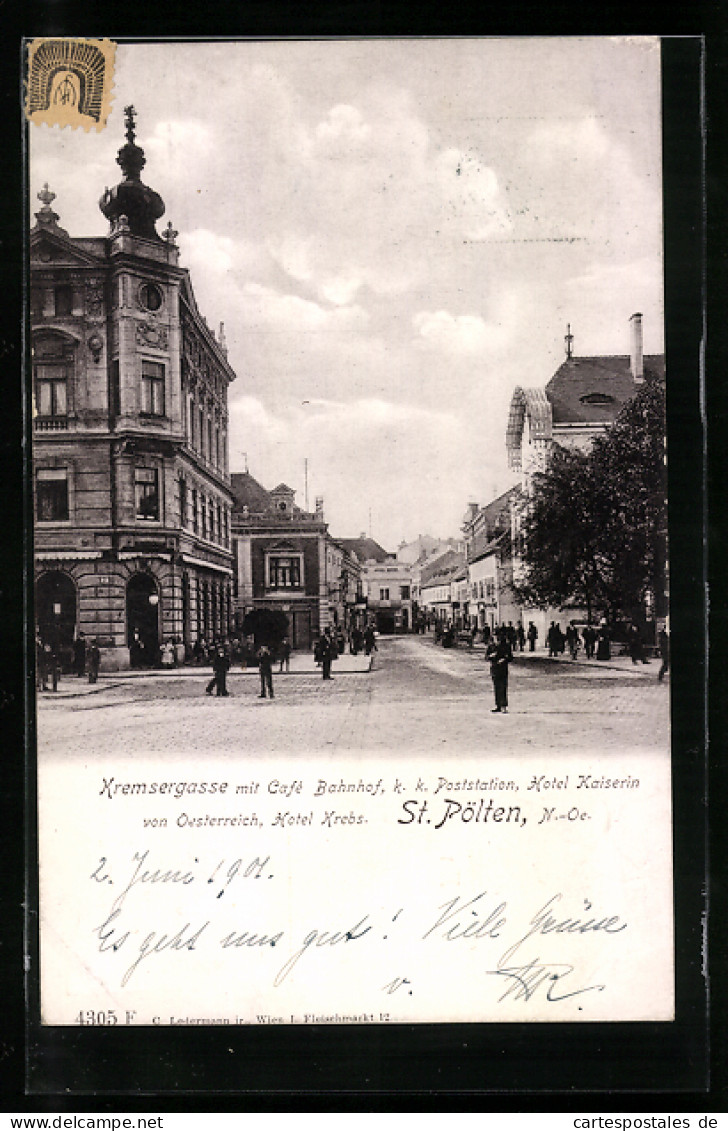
142	620
55	613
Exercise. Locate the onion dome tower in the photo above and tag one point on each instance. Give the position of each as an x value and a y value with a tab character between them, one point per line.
141	205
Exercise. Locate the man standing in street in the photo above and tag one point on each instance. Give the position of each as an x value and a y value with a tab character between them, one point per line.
500	654
79	654
326	647
664	645
94	661
220	668
370	640
265	668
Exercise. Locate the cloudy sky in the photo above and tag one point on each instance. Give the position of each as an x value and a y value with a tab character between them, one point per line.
395	234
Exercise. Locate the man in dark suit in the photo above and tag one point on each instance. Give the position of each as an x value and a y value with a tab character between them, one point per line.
265	668
500	654
220	668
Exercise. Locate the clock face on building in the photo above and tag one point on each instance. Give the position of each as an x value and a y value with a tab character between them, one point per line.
150	296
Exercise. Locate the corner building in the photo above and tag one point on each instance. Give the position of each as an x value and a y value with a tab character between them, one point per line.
132	499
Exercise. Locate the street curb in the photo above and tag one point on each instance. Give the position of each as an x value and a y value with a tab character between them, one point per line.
109	680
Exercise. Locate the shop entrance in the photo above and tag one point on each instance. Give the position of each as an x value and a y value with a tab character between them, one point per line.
301	637
55	613
142	620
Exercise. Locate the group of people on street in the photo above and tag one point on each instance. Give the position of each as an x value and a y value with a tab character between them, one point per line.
499	651
86	661
330	644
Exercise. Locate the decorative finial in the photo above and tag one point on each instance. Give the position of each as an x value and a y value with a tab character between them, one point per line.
129	116
169	233
46	197
46	214
569	339
131	156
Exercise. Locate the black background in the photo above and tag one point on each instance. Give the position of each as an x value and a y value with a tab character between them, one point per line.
630	1067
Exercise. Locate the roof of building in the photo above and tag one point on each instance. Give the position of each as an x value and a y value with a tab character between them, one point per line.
491	512
592	390
248	492
365	549
442	568
420	548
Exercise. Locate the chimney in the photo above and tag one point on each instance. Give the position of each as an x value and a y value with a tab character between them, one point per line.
636	365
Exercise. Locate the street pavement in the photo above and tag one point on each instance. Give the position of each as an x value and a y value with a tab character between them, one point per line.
418	698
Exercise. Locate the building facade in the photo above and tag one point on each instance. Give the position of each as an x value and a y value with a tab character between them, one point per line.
487	534
283	561
388	590
130	434
580	402
443	589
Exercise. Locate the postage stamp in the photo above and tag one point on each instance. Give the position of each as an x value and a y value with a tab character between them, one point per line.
70	82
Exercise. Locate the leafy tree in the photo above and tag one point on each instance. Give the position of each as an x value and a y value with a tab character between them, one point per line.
559	530
592	532
629	464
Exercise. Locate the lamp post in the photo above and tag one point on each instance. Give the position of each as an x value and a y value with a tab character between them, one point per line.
55	660
154	601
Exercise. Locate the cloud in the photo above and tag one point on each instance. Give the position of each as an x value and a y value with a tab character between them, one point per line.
465	333
370	189
343	128
344	442
264	307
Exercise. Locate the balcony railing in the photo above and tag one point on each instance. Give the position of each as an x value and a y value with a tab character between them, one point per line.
51	423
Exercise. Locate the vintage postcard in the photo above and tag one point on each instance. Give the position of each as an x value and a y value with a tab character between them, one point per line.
348	388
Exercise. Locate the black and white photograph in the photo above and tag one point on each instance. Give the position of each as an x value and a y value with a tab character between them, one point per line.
348	406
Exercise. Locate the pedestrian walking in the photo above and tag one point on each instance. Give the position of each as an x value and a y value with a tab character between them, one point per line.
79	655
370	641
572	640
636	647
532	635
41	664
285	654
94	661
220	668
265	669
521	635
323	654
500	654
604	651
589	637
663	642
53	668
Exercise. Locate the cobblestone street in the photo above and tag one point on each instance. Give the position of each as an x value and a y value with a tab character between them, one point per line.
418	699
